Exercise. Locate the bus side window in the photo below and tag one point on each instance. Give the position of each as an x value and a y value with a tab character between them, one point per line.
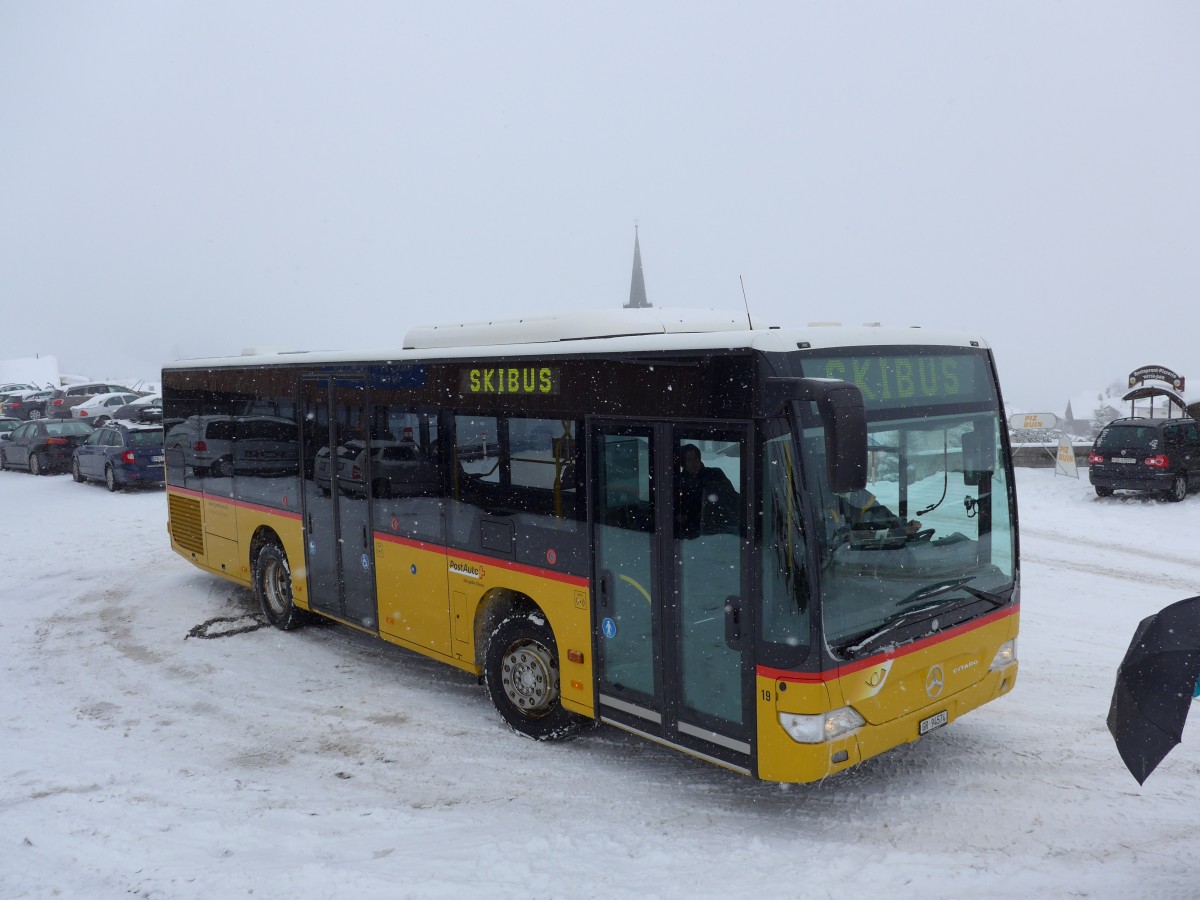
542	466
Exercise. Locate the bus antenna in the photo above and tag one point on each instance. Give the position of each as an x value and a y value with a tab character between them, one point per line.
746	301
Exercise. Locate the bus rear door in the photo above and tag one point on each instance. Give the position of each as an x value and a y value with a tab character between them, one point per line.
337	521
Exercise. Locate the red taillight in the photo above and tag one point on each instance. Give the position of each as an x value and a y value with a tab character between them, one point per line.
13	403
57	402
127	458
356	473
200	446
1094	459
83	413
57	441
1158	462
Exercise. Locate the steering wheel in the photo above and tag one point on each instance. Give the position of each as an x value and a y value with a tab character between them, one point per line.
923	535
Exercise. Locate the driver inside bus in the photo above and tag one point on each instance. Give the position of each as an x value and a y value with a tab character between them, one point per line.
863	508
706	501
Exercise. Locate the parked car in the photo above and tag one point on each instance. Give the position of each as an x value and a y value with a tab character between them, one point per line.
203	443
11	386
99	409
64	399
121	454
143	409
8	423
1160	456
397	469
42	446
218	446
26	404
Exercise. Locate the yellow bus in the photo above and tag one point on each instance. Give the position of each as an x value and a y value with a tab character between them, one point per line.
783	551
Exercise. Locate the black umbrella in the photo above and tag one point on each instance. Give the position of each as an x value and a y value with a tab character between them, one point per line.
1155	684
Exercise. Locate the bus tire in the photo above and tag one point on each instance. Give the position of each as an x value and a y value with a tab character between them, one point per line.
273	587
522	676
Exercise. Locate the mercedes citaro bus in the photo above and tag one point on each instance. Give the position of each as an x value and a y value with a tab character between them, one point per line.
783	551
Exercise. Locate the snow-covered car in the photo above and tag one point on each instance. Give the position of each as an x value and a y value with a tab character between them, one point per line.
143	409
100	408
63	400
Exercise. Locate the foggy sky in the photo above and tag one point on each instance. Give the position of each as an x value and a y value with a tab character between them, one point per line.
190	179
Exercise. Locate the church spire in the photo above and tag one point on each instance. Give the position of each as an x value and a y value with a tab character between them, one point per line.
637	287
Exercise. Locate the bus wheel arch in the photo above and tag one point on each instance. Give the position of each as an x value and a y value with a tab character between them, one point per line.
520	666
271	576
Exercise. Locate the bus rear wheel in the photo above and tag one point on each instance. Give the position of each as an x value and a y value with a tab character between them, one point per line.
273	586
521	672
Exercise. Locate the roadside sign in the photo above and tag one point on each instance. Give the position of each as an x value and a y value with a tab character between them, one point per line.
1032	420
1064	463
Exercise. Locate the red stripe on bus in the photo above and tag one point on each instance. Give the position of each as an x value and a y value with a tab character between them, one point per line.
860	664
520	568
241	504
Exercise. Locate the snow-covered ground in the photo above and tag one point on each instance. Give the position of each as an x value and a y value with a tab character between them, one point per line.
136	760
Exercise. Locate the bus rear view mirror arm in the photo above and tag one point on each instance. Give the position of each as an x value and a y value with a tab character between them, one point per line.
840	405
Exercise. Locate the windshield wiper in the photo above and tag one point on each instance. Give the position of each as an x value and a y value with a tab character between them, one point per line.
952	584
874	638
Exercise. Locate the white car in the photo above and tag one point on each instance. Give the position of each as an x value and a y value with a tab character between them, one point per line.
99	409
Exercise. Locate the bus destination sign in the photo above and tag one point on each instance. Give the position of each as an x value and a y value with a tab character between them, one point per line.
904	380
526	380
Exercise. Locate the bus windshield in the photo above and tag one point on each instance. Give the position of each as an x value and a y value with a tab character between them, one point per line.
930	542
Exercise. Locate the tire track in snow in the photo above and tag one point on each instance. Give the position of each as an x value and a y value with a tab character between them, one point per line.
1141	576
1139	552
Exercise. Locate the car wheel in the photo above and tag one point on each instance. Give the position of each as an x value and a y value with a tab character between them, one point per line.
110	479
217	469
1103	491
35	465
35	414
522	676
273	585
1178	489
75	471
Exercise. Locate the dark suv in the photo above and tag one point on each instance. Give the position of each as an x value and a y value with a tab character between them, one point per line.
1160	456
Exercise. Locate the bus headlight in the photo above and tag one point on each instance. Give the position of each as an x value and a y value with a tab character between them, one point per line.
1005	656
820	728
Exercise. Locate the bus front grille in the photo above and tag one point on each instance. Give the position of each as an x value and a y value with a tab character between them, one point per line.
186	529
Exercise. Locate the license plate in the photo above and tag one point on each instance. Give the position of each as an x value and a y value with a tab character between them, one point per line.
1123	459
935	721
154	459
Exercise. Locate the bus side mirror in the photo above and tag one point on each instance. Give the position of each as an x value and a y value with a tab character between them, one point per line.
843	413
978	457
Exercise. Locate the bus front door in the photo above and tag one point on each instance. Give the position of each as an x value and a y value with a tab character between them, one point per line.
669	520
337	524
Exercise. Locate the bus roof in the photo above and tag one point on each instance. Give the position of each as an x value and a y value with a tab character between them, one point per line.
597	332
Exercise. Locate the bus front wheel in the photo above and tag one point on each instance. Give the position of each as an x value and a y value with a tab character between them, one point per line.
521	672
273	585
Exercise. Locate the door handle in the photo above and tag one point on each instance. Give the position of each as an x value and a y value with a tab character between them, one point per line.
733	622
603	589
